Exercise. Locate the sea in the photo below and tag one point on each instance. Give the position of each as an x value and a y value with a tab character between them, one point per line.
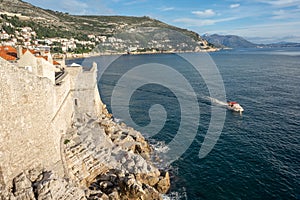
255	154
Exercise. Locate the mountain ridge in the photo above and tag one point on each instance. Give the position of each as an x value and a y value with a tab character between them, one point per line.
234	41
80	26
228	41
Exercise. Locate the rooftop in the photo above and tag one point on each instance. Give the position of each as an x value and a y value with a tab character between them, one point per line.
9	53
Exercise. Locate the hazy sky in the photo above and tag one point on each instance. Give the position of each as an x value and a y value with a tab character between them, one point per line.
257	20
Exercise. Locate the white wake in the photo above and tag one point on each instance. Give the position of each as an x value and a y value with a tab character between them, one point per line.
216	101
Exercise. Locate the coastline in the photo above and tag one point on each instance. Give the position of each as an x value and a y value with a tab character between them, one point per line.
71	56
126	170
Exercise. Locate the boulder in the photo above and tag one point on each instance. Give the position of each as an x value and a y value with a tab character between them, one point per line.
163	185
151	193
21	182
105	185
114	196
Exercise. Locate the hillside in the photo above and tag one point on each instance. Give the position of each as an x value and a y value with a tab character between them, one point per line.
233	41
230	41
115	33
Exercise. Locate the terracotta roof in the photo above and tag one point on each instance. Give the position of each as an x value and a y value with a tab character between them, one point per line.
31	51
8	53
55	62
45	57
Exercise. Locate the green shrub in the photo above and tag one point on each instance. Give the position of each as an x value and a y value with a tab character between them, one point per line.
66	141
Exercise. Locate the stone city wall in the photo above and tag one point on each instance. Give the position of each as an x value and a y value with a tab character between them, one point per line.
86	94
35	113
27	136
38	66
62	91
48	70
49	133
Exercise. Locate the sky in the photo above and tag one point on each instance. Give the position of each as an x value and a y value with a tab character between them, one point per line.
259	21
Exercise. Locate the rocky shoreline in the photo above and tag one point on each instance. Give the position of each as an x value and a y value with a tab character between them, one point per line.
102	159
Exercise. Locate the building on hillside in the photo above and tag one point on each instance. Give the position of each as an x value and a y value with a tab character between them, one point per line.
38	62
4	36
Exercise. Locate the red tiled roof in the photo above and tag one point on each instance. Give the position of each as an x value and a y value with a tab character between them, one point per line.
8	53
30	50
55	62
45	57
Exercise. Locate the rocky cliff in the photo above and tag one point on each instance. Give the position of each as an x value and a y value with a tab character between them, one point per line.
102	160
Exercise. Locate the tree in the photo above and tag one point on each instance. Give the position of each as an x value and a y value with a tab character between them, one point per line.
8	29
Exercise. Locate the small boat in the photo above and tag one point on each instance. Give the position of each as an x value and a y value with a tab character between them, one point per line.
234	106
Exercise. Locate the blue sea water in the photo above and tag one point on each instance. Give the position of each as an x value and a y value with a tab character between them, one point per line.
257	156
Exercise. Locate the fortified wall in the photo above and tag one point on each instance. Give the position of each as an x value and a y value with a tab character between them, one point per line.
58	141
35	113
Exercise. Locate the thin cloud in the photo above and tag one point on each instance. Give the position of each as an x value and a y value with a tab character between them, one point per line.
281	3
76	7
235	5
205	22
284	14
134	2
167	9
74	3
205	13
